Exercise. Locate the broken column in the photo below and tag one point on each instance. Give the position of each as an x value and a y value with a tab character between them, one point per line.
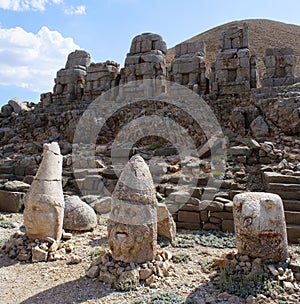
132	226
260	226
44	203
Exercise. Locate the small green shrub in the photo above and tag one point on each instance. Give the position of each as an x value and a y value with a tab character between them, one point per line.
181	258
160	298
153	146
3	241
207	264
184	241
244	285
97	252
126	285
6	225
163	241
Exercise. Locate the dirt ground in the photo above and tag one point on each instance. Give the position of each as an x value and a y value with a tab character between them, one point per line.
63	282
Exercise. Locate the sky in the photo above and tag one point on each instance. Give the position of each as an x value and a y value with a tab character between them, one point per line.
36	36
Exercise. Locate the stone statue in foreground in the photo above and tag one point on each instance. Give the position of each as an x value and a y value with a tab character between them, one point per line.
132	227
260	226
44	203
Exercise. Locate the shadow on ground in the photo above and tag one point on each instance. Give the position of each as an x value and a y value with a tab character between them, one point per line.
77	291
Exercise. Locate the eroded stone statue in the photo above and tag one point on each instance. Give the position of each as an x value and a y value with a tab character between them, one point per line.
44	203
260	226
132	227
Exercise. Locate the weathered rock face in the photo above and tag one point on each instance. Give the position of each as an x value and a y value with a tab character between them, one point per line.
235	68
70	81
188	67
280	67
100	77
146	59
44	204
78	215
260	226
132	227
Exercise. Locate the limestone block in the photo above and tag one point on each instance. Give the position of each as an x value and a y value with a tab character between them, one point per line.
133	59
44	204
165	223
11	201
18	105
259	127
132	226
260	226
244	62
270	61
6	110
78	57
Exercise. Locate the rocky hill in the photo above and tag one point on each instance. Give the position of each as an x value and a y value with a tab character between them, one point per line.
263	34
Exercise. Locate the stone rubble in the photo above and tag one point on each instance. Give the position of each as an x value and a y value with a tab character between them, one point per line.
128	276
25	249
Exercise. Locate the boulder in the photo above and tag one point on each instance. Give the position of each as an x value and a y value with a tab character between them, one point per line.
259	127
78	215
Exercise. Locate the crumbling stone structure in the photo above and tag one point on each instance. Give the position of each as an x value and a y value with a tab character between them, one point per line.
100	77
189	68
146	59
234	71
70	81
280	67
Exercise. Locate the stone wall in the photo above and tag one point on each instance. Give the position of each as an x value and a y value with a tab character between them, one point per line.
235	68
189	68
280	67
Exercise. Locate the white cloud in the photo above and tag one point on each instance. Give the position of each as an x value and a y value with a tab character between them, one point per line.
78	10
26	5
31	60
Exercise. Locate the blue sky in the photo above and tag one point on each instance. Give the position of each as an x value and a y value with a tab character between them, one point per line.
37	36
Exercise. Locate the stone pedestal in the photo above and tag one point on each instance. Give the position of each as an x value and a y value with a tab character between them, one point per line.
260	226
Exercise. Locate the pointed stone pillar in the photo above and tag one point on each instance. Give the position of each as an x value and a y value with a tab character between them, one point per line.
44	203
132	226
260	226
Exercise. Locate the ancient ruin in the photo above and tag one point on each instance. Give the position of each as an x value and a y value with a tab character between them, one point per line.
260	226
280	67
256	197
234	71
132	226
189	68
44	203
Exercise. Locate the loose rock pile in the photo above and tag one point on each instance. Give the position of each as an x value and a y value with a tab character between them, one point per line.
25	249
127	276
248	277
